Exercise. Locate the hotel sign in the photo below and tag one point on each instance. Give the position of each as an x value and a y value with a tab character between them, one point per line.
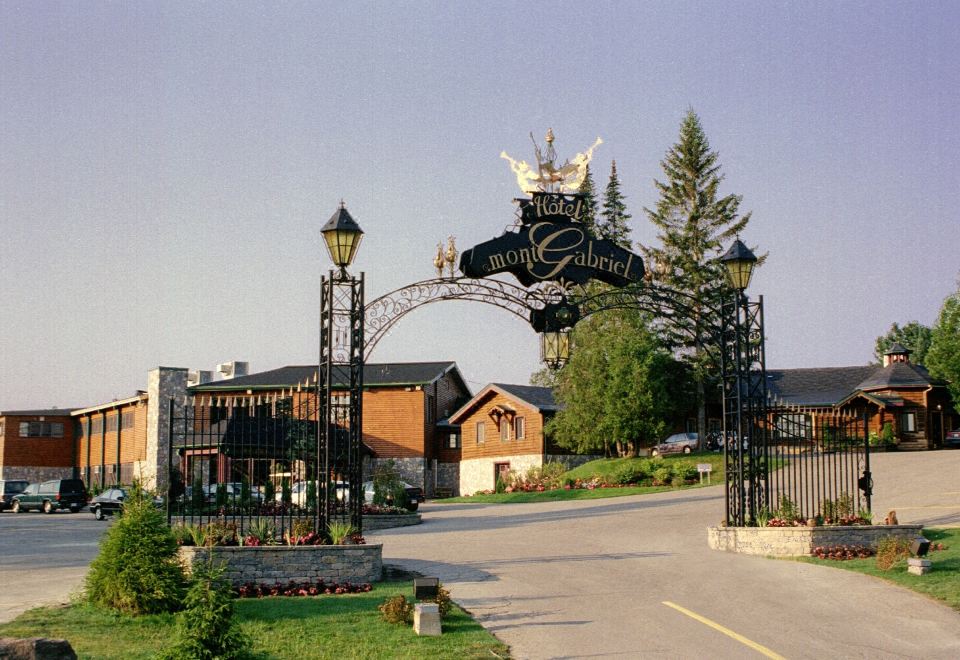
552	244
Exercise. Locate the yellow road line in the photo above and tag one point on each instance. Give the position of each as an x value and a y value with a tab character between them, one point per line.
759	648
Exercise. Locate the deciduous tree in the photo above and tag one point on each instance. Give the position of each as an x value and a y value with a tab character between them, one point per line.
943	358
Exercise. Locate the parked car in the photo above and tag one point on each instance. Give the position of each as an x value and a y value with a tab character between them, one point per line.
233	490
9	488
952	439
414	495
111	501
52	496
676	444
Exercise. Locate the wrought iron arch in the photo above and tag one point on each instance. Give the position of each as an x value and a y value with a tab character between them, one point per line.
382	314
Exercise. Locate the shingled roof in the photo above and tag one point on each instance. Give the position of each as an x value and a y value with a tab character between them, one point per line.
537	397
393	374
897	374
822	386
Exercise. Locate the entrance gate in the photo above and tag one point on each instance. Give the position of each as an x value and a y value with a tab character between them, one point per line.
297	454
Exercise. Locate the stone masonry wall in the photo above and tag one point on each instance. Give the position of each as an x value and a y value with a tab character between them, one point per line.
800	541
476	474
163	384
279	563
35	474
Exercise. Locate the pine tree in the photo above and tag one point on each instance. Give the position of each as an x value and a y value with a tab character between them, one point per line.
614	214
694	226
589	192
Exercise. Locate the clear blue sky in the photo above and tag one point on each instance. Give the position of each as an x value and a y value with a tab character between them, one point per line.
165	167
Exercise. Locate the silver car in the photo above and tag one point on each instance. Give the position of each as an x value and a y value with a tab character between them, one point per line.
678	443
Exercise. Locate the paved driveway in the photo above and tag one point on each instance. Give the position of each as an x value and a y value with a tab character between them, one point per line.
629	577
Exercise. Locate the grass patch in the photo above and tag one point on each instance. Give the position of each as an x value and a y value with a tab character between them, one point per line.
942	583
346	626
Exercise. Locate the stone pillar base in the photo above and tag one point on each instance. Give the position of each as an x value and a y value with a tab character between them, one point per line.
426	619
919	566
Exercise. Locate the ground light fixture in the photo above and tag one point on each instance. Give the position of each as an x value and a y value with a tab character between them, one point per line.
920	547
739	261
342	235
426	587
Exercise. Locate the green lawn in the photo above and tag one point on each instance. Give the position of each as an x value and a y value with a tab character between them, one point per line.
942	583
603	470
347	626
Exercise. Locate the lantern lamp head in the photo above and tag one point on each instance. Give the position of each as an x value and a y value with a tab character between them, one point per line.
342	235
739	261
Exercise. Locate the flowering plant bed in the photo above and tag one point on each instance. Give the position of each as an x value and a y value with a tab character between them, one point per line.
258	590
843	552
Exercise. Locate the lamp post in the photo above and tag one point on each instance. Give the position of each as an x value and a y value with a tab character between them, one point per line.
555	348
744	390
340	367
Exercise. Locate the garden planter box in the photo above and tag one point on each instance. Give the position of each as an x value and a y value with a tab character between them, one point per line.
373	523
303	563
800	541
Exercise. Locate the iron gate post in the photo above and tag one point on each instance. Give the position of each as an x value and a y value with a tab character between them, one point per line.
340	400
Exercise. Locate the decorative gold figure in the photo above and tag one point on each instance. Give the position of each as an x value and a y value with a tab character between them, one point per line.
548	177
438	260
451	255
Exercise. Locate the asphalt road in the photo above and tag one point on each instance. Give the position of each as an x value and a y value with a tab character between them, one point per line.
632	577
625	577
43	558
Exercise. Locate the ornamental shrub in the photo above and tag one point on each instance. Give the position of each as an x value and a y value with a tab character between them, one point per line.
137	570
396	609
205	628
891	550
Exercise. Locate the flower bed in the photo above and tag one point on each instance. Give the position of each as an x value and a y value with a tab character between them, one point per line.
801	541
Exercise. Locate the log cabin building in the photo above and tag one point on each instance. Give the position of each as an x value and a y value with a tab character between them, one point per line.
502	429
898	392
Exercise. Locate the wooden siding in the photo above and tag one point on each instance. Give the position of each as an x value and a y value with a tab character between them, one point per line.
532	442
36	452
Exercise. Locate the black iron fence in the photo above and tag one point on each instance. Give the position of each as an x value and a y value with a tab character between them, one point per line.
258	460
819	465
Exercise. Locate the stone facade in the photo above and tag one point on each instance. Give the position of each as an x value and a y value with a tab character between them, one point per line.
448	477
33	473
280	563
376	523
478	473
800	541
163	384
412	470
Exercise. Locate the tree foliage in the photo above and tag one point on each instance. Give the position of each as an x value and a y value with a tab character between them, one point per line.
137	570
614	214
695	224
589	192
943	358
914	336
621	387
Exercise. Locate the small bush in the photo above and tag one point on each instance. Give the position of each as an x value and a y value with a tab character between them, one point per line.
685	470
662	475
891	550
137	570
205	628
396	609
339	531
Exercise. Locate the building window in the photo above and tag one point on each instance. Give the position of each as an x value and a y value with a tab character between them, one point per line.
431	406
41	430
908	422
453	441
96	426
112	424
691	425
518	428
480	431
504	429
793	426
126	422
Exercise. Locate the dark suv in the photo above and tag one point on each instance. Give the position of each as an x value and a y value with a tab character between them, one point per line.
51	496
9	488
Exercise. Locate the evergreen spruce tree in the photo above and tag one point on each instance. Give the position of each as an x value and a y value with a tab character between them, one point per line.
614	216
589	193
695	224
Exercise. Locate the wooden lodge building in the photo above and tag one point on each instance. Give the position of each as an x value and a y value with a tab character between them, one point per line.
502	430
901	393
